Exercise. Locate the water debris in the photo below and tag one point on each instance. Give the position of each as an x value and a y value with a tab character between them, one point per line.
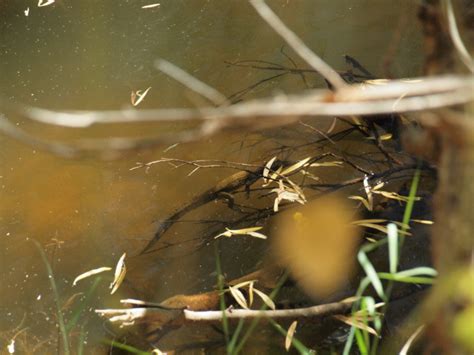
119	276
252	231
42	3
27	11
290	334
90	273
292	194
151	6
136	97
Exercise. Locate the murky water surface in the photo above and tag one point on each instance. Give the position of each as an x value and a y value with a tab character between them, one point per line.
86	212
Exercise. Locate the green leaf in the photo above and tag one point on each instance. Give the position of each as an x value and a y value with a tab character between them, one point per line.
392	236
371	273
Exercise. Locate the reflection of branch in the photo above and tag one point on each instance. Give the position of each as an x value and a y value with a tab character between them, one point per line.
361	99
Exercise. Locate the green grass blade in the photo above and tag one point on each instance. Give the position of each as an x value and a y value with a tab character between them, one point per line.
78	310
371	273
62	325
392	237
220	285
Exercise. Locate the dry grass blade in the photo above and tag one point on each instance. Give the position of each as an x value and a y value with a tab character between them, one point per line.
251	289
119	276
266	299
356	323
239	297
150	6
410	340
361	199
252	231
290	334
422	221
90	273
42	3
335	163
266	170
295	166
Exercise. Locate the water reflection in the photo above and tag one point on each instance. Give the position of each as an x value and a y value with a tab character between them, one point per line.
86	213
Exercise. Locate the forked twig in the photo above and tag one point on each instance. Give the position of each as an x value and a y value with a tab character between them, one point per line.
297	44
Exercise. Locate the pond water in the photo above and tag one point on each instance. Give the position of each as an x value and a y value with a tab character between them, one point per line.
85	213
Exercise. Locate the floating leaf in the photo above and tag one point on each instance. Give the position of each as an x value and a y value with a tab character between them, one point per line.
150	6
90	273
119	276
290	334
138	96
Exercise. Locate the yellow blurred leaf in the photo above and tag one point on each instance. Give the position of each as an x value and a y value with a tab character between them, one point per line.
317	243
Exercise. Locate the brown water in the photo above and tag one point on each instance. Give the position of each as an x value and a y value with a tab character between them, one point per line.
87	212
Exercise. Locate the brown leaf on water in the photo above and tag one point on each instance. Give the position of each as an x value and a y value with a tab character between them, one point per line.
289	335
318	244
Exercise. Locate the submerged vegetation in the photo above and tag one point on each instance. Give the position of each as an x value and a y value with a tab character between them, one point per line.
323	243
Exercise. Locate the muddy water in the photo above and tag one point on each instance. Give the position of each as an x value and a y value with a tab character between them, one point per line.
86	212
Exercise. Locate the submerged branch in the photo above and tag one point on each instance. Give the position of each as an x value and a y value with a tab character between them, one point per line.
131	315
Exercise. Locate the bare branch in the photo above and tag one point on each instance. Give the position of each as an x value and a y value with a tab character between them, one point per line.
297	44
132	315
